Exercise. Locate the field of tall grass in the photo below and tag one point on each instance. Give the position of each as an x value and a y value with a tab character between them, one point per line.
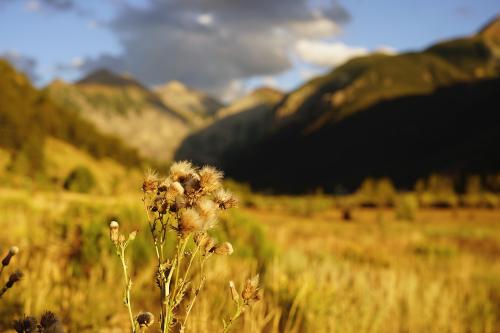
321	271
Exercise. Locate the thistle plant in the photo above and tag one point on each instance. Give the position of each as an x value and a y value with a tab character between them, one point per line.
181	210
15	276
49	323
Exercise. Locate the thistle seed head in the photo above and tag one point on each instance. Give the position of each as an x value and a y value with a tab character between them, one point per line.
209	245
225	199
145	319
150	183
189	221
121	239
113	231
234	293
179	171
174	190
12	252
210	179
224	249
132	235
207	210
251	292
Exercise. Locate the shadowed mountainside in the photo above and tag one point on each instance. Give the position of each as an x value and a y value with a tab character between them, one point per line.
377	115
240	124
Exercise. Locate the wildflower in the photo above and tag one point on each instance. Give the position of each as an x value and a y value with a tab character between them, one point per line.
189	221
113	231
224	199
132	235
210	179
251	291
234	293
150	183
121	239
13	278
26	324
145	319
179	171
174	190
206	208
209	245
48	319
192	187
223	249
12	252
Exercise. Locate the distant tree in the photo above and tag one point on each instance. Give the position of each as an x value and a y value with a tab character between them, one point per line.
80	180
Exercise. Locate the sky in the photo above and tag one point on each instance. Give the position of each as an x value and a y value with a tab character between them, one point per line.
224	47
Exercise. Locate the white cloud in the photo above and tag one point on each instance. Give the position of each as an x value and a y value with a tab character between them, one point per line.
33	6
322	53
205	19
77	62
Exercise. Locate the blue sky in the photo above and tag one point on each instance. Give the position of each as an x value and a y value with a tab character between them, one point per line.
229	50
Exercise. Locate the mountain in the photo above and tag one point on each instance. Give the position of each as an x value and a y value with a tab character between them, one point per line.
401	116
121	106
192	104
28	117
239	125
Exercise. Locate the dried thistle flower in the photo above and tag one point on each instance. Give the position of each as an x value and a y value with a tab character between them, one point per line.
179	171
209	246
225	199
207	210
210	179
121	239
150	183
251	291
132	235
25	325
113	231
13	278
223	249
48	319
174	190
145	319
189	221
234	293
12	252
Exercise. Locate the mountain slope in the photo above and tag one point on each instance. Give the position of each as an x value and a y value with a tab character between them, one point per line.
28	117
339	128
121	106
192	104
239	126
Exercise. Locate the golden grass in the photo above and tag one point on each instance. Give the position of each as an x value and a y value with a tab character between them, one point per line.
439	273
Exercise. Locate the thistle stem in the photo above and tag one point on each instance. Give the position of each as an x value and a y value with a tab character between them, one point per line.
128	286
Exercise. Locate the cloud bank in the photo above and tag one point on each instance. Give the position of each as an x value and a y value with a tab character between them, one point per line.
211	44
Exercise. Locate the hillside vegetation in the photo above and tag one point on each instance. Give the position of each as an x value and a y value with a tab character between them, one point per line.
121	106
28	117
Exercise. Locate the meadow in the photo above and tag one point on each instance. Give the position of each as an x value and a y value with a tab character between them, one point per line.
320	271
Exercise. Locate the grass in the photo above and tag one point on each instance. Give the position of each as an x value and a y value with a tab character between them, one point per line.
374	273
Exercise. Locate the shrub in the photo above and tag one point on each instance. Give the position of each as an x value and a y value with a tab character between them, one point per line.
80	180
406	207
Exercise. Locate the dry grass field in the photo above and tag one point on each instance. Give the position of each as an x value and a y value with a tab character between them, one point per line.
320	272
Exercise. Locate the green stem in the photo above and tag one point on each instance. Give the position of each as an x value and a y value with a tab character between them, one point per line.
197	291
128	287
238	313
